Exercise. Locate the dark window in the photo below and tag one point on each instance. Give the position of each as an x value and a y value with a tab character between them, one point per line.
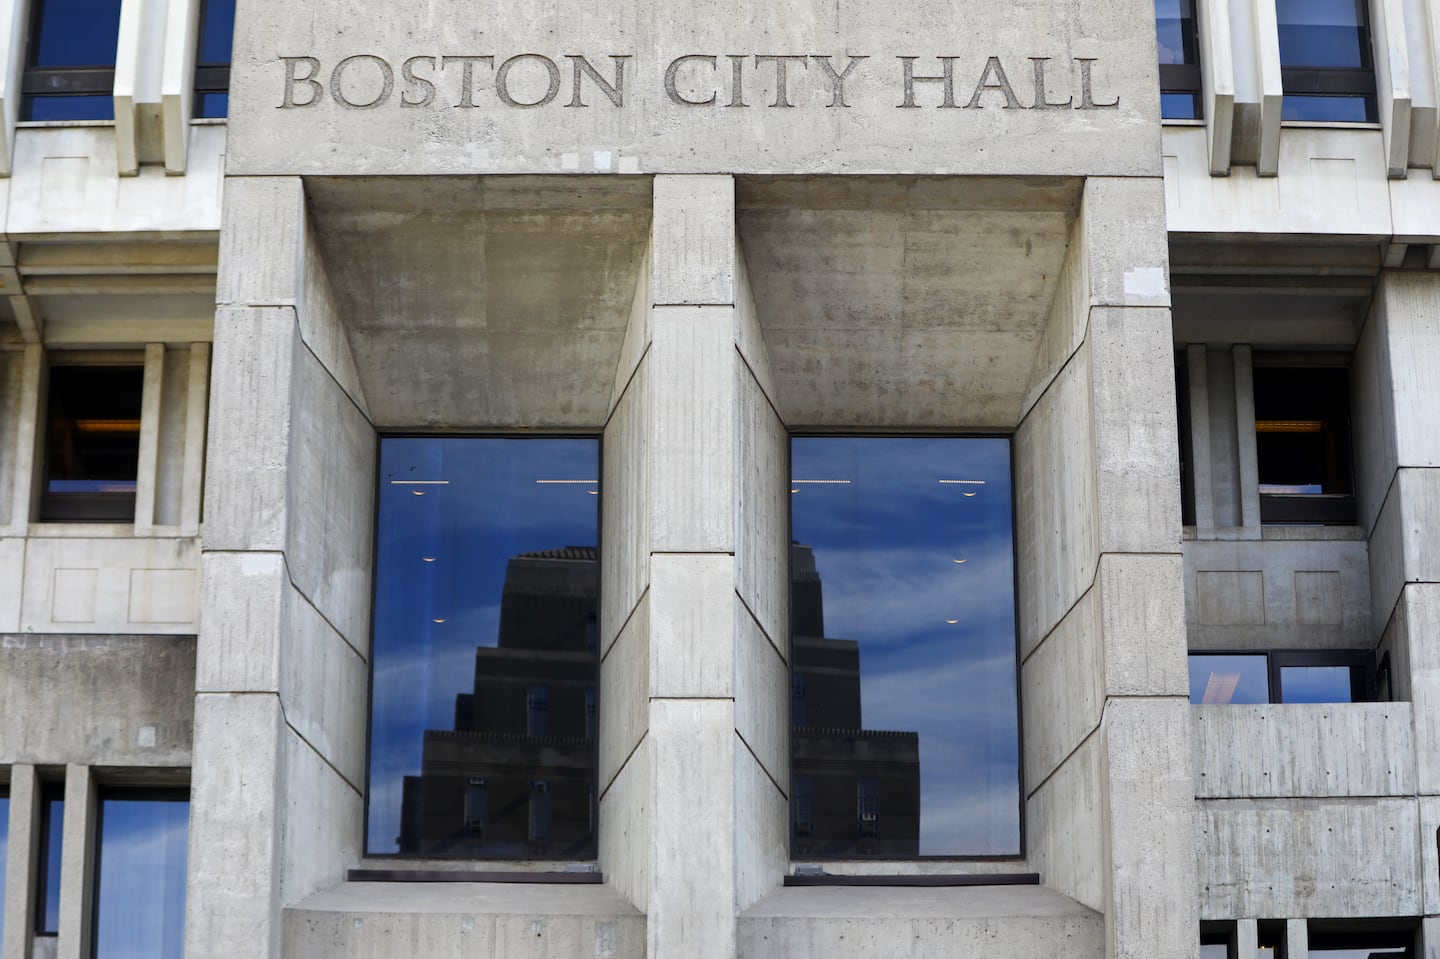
1179	60
1302	444
47	864
212	62
1326	64
1216	939
92	443
140	884
802	810
4	837
70	60
486	590
1360	940
1282	676
902	599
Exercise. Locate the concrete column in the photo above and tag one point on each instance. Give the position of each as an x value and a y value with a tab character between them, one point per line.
146	473
1297	939
20	852
197	398
1245	448
1247	938
77	865
26	438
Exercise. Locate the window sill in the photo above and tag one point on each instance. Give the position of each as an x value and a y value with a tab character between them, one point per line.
62	124
1328	125
1182	123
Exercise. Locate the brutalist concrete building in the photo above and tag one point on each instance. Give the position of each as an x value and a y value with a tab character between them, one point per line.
715	480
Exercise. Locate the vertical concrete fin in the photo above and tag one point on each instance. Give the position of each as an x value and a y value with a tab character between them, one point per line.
146	480
1245	449
23	842
77	864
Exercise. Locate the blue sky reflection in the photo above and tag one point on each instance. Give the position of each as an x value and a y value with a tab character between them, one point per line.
140	912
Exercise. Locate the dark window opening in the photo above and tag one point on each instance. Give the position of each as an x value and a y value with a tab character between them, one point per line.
1216	939
47	860
4	842
1179	60
1361	940
212	61
537	711
70	60
140	872
1282	676
1327	67
92	443
1187	448
539	811
1302	445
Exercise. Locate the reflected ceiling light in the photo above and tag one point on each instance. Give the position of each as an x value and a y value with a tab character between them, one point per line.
822	482
952	622
1289	426
416	492
566	482
959	561
955	482
440	620
969	494
593	492
794	489
107	426
419	482
1220	689
428	559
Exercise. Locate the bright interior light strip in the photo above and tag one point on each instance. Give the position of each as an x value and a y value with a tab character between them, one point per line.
560	482
1289	426
963	482
823	482
107	426
419	482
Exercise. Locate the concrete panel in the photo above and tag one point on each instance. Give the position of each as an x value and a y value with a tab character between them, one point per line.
762	696
692	381
1056	525
1126	253
111	585
1063	688
879	923
1292	750
1308	857
499	920
1068	320
12	570
1415	498
762	509
625	838
1416	659
1411	304
691	903
1429	854
98	699
625	693
749	338
331	461
1144	620
693	247
1064	829
625	506
246	504
321	820
243	596
321	326
762	830
1148	800
637	332
1135	434
15	401
232	907
324	685
1372	402
262	244
693	628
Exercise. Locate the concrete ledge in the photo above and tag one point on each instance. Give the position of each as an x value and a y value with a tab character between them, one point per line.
510	920
884	922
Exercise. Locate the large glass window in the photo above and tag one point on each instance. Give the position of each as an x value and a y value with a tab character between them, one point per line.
70	60
1327	67
212	66
92	443
140	885
483	710
1302	444
1179	59
1282	676
905	737
47	861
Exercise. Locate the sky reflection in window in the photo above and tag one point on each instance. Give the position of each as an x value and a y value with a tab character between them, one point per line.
903	648
140	911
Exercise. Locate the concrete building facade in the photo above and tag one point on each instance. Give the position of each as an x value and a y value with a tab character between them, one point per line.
694	231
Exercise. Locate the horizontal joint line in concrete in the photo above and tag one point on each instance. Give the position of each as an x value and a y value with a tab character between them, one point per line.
621	768
323	758
769	401
760	626
628	617
344	392
1339	797
277	305
1156	696
761	763
692	552
319	612
692	699
629	380
1030	794
1069	358
693	306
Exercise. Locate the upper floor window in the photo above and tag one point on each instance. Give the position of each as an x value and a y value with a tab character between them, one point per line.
1327	66
1179	59
903	648
1302	444
92	443
140	872
1282	676
483	710
212	63
70	60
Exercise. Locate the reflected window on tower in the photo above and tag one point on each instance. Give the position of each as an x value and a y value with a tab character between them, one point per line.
905	724
483	710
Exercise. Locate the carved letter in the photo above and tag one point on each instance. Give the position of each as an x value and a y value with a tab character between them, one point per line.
467	76
316	90
1087	100
427	89
502	76
674	68
616	93
782	97
387	82
999	83
837	80
737	88
947	78
1042	101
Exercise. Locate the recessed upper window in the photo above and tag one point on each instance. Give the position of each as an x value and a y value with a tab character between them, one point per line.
1327	67
1282	676
1302	444
1179	59
70	60
212	62
140	885
483	703
904	713
92	443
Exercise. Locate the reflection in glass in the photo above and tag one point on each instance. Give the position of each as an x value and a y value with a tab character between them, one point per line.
140	906
212	66
1222	679
75	33
1317	684
1179	59
1321	33
52	828
483	709
4	837
905	738
92	438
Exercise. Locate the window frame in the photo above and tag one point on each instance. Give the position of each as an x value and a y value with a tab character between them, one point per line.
136	793
1308	509
211	76
1185	78
1361	663
74	80
1318	80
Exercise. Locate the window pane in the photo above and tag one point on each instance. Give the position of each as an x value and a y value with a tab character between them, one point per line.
1180	106
217	24
1316	684
483	711
1214	950
1302	429
4	843
140	908
1221	679
75	33
212	104
1175	31
1332	109
52	828
903	642
92	442
69	108
1321	33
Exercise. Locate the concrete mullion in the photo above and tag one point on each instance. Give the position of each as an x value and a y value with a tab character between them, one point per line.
1247	938
28	436
196	408
18	899
77	865
1297	939
1199	400
146	480
1245	449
